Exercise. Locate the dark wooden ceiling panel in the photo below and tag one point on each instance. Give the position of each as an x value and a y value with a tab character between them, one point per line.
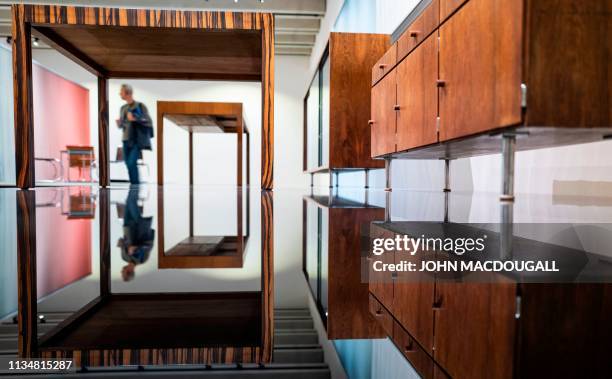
162	52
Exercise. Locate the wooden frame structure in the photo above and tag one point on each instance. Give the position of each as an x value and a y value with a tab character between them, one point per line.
172	44
57	342
192	116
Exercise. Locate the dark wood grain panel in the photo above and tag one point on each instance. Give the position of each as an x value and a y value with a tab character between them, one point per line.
348	311
482	82
419	30
26	274
152	18
103	133
383	121
567	68
385	64
267	114
23	100
267	275
175	356
417	96
351	56
475	320
565	320
168	55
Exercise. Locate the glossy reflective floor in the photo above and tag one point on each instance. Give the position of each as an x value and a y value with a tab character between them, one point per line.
224	278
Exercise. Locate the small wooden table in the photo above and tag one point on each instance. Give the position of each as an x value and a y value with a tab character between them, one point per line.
203	117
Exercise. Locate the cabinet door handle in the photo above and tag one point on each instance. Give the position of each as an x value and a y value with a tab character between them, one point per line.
396	107
410	347
371	122
382	66
440	83
379	312
414	33
437	304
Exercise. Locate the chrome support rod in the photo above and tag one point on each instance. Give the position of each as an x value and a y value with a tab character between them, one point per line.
331	178
508	150
506	240
367	178
388	206
388	174
447	187
311	179
337	178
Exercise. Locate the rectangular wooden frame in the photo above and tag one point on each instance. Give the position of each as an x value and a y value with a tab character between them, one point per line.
27	16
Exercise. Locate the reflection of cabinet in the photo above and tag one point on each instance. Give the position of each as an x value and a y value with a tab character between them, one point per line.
332	264
494	329
337	105
467	68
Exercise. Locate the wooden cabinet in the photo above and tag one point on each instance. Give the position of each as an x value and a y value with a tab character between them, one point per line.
475	320
385	64
419	30
493	326
417	96
337	105
413	298
332	265
481	67
481	80
383	122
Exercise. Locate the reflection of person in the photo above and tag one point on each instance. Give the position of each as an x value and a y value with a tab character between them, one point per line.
138	236
137	131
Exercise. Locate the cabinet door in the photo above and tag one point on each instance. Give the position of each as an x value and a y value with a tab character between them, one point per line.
480	68
381	282
474	329
413	297
417	96
383	122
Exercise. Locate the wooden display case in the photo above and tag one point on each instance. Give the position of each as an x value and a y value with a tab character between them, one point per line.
337	105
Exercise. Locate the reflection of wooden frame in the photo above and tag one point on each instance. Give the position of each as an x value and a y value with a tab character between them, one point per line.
247	54
50	345
165	260
193	116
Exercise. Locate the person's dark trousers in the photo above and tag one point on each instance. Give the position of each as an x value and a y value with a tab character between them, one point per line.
131	154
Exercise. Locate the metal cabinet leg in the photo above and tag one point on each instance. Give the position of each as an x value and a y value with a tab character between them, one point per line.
508	150
388	206
388	174
447	187
331	178
337	179
367	178
311	180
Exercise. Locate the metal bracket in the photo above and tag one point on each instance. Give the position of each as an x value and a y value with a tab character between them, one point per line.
523	95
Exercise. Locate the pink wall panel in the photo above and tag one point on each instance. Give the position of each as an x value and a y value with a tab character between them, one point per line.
63	248
61	116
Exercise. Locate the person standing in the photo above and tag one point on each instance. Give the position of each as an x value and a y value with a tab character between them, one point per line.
137	128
